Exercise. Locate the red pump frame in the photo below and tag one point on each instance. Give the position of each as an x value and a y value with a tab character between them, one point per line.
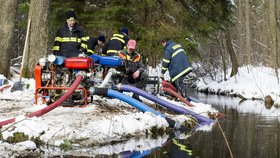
38	81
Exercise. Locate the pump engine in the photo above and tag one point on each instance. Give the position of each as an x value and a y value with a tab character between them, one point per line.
54	75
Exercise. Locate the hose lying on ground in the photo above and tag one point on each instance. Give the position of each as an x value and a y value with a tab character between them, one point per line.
167	87
51	106
201	119
133	102
178	96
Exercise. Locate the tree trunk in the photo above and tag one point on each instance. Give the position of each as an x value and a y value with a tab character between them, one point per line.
271	33
39	12
222	53
248	47
240	27
8	10
233	57
277	16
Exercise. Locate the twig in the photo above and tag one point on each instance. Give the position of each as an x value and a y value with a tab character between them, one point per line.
229	149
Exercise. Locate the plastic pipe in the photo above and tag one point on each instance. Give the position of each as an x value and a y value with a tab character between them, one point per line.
201	119
133	102
106	79
51	106
111	71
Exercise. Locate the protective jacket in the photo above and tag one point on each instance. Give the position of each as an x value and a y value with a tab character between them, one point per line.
133	62
89	44
68	42
115	44
175	60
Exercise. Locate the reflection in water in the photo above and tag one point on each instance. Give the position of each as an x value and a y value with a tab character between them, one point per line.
134	147
250	128
178	148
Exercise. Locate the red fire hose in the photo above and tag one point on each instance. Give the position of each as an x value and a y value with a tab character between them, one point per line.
167	87
51	106
177	95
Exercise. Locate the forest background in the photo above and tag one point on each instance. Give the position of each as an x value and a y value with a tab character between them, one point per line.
219	35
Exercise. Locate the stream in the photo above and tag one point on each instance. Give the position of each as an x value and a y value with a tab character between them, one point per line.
250	129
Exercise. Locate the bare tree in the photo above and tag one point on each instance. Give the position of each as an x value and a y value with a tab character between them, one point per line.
39	12
8	10
232	54
248	47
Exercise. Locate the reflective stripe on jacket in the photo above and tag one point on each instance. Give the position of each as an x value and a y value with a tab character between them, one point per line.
175	60
68	42
89	44
116	43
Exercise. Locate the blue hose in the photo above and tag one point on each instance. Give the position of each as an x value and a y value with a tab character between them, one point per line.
135	103
201	119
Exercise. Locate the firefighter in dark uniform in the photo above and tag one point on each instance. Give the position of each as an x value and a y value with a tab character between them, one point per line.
68	38
89	44
116	43
177	62
134	70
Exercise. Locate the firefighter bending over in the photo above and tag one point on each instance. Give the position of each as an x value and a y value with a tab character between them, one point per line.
116	43
89	44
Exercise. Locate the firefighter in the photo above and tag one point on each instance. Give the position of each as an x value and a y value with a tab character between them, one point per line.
68	38
134	70
89	44
117	42
176	62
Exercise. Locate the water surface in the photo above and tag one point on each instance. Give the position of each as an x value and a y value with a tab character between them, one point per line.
250	129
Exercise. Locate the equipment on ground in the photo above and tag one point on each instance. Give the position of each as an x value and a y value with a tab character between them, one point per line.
55	74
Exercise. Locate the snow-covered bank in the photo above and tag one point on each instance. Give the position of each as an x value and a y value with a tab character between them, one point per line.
106	120
250	82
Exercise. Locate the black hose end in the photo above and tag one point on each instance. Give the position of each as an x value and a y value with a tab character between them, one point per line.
101	91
